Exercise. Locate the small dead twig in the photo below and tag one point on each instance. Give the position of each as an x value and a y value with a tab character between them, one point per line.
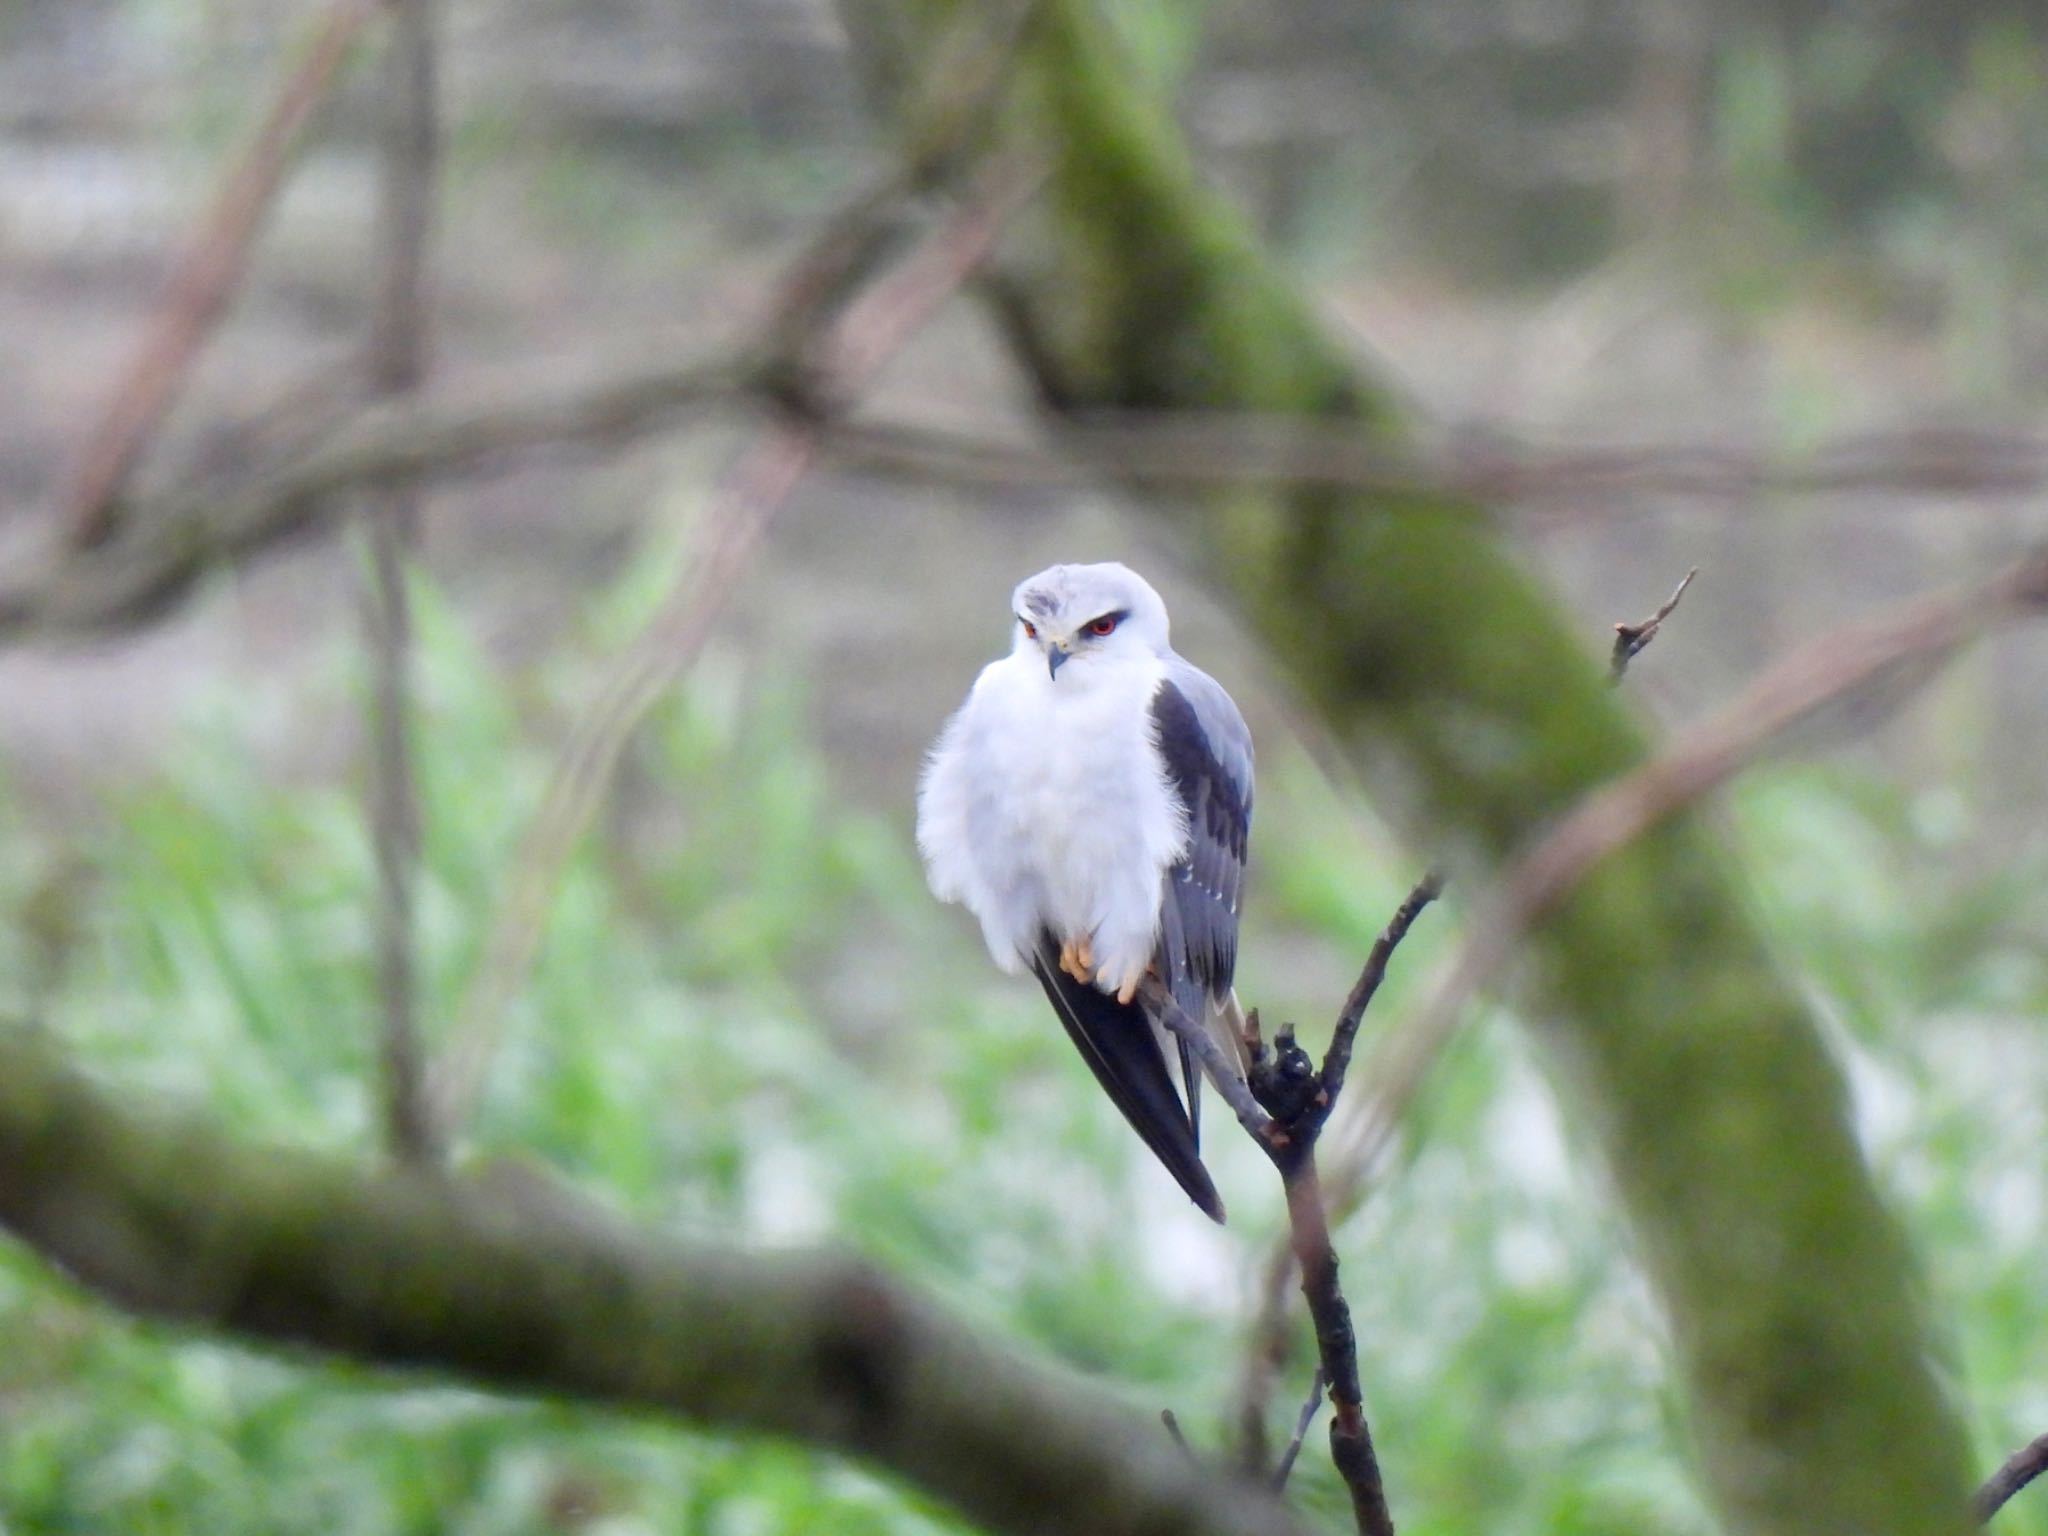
205	278
397	364
1337	1062
1309	1408
1173	1429
1630	640
2021	1468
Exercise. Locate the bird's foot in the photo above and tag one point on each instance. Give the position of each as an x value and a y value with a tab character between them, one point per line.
1077	958
1128	988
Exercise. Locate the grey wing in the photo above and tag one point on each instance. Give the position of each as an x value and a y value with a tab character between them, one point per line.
1207	753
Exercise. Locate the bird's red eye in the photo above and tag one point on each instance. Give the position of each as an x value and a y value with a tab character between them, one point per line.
1030	629
1104	625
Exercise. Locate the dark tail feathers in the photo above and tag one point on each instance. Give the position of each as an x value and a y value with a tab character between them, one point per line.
1117	1042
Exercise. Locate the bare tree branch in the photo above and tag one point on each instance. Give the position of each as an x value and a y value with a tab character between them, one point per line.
1337	1060
1284	1468
1304	1105
1269	1337
1630	640
128	576
150	563
537	1290
205	277
134	581
1315	1255
2020	1469
397	365
1852	659
1289	1101
1480	462
1825	670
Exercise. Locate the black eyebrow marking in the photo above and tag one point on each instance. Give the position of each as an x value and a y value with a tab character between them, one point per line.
1040	602
1114	617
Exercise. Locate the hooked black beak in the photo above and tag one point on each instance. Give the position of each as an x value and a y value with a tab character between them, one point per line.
1056	657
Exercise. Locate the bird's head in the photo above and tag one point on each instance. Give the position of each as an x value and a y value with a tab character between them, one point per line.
1085	617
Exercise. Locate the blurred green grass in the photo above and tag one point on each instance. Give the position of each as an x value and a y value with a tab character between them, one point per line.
750	1020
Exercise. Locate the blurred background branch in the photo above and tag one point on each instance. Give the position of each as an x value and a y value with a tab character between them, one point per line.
206	276
2021	1468
1890	653
1601	292
541	1292
835	365
398	350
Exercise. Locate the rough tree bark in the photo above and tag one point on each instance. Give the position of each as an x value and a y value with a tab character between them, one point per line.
1480	711
516	1282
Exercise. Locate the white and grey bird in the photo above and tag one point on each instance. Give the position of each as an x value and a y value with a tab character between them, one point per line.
1090	804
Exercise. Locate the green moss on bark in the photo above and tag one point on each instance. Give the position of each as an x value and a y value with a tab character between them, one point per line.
1791	1294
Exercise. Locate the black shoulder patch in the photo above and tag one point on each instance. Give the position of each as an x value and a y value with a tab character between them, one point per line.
1215	809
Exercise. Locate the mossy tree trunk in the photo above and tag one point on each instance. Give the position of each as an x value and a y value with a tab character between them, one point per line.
1482	711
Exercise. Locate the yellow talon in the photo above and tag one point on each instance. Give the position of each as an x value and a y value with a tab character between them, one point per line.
1077	959
1129	989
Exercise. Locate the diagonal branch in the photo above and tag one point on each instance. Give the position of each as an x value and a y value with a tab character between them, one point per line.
2021	1468
1853	659
1217	1065
1337	1060
1311	1405
526	1287
130	571
205	278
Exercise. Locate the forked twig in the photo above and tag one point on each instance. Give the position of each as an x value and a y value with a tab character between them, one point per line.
1298	1097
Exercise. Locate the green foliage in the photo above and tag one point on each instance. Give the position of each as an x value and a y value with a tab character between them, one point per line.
749	1016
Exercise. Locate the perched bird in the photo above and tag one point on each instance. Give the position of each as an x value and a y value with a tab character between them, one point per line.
1090	805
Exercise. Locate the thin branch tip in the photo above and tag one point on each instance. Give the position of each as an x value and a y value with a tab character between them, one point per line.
1631	640
2026	1464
